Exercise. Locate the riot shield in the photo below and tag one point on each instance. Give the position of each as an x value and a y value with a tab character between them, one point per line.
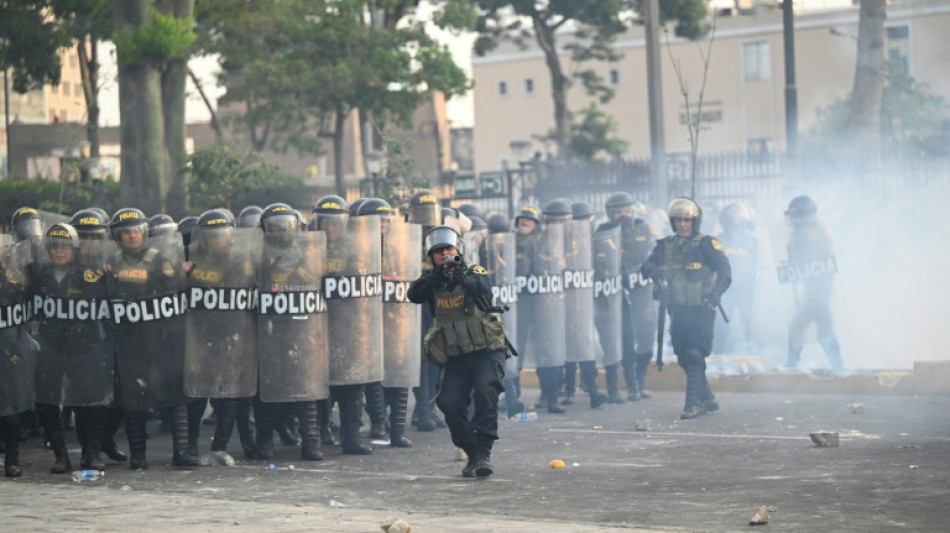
608	291
292	320
578	291
402	320
499	260
17	355
353	290
76	361
148	311
473	246
543	289
221	326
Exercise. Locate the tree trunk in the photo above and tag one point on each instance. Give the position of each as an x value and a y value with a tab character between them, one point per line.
868	77
340	119
173	110
141	123
89	68
559	85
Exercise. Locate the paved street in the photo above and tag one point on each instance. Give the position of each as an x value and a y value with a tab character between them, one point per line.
890	472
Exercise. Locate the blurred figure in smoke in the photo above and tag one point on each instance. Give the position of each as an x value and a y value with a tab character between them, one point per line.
691	274
809	241
742	248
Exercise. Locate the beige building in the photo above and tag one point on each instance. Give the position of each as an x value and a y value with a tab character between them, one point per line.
743	105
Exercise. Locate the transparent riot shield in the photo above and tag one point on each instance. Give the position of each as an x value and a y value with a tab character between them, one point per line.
402	320
221	326
76	361
292	319
543	289
353	290
578	292
499	260
608	291
148	313
17	348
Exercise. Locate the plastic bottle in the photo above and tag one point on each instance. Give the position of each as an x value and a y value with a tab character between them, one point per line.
525	417
87	475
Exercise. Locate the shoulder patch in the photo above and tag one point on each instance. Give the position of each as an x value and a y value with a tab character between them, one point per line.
168	269
90	276
10	277
480	270
715	243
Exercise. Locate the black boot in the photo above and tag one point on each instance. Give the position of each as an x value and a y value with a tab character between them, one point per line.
398	400
695	369
613	392
707	400
482	448
550	381
181	456
350	414
10	431
264	420
115	416
570	382
643	364
285	426
309	431
226	412
376	409
629	362
589	377
51	420
90	420
245	432
135	432
469	469
196	411
326	429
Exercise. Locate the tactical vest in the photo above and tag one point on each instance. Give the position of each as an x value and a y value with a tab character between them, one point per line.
460	327
133	273
688	276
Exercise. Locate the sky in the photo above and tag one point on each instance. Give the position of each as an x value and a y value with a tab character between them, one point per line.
460	109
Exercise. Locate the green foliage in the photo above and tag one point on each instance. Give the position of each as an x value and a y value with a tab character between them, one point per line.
221	177
689	16
911	117
54	196
30	42
162	38
594	135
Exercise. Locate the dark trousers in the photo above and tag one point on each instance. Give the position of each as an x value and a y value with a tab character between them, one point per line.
473	377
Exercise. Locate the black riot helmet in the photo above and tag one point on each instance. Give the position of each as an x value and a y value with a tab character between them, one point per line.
616	202
424	208
280	223
90	224
685	208
249	217
102	212
499	223
355	206
582	211
128	218
801	207
375	206
558	211
63	234
442	236
471	210
478	223
529	212
737	216
213	230
26	224
331	209
161	224
186	227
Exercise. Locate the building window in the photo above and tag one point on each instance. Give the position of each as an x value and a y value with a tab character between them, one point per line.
66	89
757	61
54	89
529	86
613	77
502	88
77	89
898	45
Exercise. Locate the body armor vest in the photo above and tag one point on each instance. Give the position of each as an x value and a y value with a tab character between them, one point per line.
465	327
689	277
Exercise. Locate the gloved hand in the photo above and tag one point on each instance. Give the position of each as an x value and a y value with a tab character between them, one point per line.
458	276
712	301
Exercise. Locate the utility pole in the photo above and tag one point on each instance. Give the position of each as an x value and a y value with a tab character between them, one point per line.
655	97
791	90
6	121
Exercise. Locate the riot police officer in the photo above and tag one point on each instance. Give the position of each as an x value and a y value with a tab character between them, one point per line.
639	312
527	235
500	261
692	273
92	225
742	248
468	337
810	241
424	210
26	224
249	217
150	352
